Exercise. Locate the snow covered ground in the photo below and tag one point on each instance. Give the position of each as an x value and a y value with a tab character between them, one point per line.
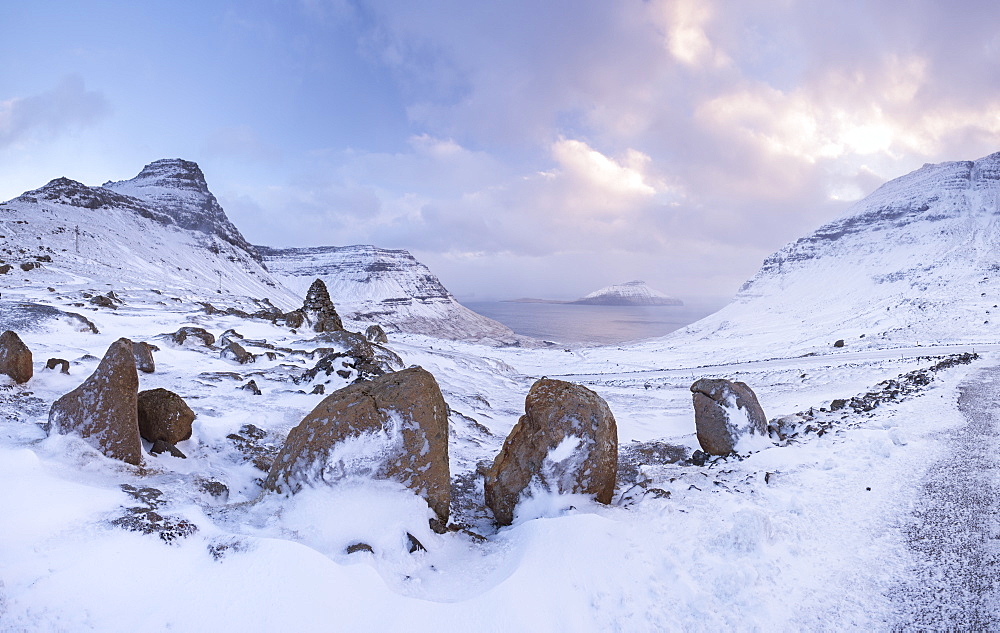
808	536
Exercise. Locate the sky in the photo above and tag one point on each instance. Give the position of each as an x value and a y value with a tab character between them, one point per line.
541	149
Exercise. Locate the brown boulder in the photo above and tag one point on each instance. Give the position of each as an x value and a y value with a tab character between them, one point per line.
393	427
725	412
236	352
566	442
62	363
103	410
189	332
144	357
375	334
318	309
163	415
15	357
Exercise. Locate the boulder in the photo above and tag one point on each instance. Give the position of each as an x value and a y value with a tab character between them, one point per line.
103	410
61	363
163	415
188	332
15	357
375	334
393	427
725	412
566	442
144	357
235	352
318	309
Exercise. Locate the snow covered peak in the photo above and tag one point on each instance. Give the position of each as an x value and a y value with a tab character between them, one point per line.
629	293
178	188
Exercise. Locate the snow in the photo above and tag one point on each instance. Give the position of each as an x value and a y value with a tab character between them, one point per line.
807	534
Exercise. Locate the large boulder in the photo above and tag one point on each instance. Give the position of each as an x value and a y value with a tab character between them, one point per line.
392	427
375	334
163	415
566	442
144	357
189	333
724	413
15	357
103	410
318	309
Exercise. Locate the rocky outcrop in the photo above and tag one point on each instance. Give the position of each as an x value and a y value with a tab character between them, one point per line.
393	427
103	410
359	360
236	352
724	413
61	363
375	334
164	416
15	357
318	309
144	357
187	334
566	442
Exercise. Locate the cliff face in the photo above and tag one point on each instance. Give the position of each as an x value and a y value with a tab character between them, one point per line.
387	287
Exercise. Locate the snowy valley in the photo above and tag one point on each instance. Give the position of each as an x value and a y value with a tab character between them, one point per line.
887	311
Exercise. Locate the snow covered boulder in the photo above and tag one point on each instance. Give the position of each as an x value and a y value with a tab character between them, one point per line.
15	357
188	333
375	334
725	412
144	357
163	415
566	442
393	427
103	410
236	352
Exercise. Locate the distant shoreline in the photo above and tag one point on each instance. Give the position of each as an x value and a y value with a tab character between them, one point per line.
598	302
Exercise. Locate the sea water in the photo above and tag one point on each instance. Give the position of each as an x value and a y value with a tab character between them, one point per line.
574	324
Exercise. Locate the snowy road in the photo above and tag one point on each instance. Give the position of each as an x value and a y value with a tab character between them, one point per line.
954	530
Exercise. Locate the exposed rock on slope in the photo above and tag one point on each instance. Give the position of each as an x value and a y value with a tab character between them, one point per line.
725	412
392	427
103	410
632	293
566	442
15	357
388	287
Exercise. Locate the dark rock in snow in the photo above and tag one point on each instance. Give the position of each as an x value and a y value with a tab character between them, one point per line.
164	416
103	410
190	333
252	387
393	427
235	352
725	411
375	334
318	309
839	343
144	357
63	365
566	442
159	446
15	357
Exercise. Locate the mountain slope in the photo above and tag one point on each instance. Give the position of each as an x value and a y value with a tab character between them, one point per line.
388	287
68	235
915	262
631	293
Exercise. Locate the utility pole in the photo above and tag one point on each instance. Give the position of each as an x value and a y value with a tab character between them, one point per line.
77	239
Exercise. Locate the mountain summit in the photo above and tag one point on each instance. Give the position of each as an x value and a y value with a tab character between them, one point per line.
631	293
178	188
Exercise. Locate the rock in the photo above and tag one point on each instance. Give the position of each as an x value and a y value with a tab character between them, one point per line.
163	415
144	357
103	410
103	302
252	442
294	319
375	334
393	427
189	333
725	412
318	390
63	364
838	404
413	545
15	357
566	442
235	352
354	548
5	268
318	309
839	343
26	266
214	488
159	446
364	358
252	387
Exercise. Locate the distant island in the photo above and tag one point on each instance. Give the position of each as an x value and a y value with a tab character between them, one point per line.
632	293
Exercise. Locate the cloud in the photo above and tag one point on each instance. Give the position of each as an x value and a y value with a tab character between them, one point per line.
66	107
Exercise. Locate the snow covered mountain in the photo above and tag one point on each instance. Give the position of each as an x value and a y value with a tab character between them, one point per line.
167	234
631	293
916	262
388	287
